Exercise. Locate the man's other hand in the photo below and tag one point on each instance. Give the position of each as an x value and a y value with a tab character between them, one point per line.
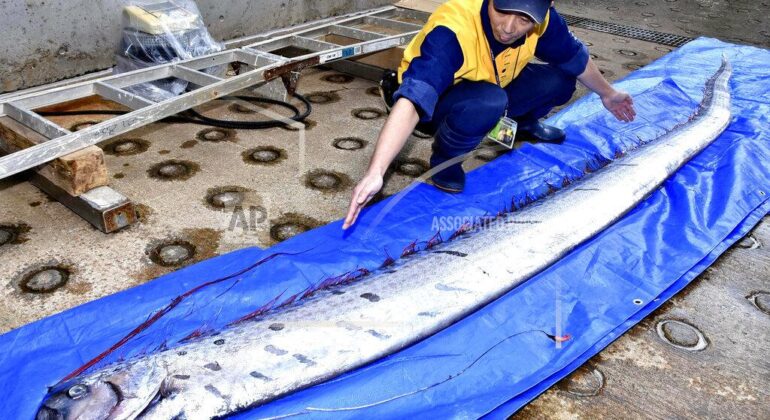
621	105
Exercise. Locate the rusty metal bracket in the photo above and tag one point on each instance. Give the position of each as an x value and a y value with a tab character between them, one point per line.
290	73
106	209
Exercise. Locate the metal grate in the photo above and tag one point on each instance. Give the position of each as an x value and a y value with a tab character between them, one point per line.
627	31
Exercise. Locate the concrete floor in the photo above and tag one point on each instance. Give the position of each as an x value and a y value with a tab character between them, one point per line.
639	375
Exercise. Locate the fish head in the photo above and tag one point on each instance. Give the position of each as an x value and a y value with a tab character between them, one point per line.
117	395
80	400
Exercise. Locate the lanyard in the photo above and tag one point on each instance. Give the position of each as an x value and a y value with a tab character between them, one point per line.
497	75
494	66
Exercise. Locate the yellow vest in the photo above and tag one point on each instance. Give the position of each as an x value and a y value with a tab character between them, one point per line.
463	17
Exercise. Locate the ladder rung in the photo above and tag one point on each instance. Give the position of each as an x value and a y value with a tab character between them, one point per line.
211	60
263	58
256	58
312	44
392	24
34	121
354	33
195	77
136	77
272	45
121	96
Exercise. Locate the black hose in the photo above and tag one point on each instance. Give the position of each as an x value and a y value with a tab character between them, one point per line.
192	116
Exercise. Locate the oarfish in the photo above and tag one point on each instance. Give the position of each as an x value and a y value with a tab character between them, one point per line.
348	326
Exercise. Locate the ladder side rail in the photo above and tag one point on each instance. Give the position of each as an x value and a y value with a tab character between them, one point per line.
265	36
35	122
392	24
121	96
403	13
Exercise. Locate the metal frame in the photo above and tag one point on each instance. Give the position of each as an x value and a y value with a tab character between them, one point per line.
106	209
263	66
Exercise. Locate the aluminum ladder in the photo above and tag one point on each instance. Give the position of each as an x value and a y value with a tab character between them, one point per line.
260	60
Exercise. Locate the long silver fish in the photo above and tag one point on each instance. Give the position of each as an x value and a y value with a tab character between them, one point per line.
344	328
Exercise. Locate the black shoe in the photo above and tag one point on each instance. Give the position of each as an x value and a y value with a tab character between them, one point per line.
450	179
539	132
388	87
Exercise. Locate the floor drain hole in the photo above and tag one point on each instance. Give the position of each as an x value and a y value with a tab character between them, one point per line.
586	381
291	225
248	107
6	236
326	180
284	231
349	143
308	123
373	91
681	335
215	135
322	97
173	170
241	109
45	280
338	78
226	199
265	155
749	242
633	66
127	147
412	167
172	254
13	234
81	125
760	300
368	113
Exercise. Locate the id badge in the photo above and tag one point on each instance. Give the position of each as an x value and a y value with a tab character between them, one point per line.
504	132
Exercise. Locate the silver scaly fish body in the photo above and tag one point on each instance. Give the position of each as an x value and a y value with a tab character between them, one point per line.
344	328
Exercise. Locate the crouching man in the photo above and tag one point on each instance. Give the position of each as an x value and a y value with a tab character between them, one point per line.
469	68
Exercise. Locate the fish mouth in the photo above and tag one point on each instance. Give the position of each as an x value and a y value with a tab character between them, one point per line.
72	400
47	413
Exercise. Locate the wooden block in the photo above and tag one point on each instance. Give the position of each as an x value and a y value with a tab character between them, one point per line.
75	173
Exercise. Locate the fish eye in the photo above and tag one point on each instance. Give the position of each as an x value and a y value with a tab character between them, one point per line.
77	392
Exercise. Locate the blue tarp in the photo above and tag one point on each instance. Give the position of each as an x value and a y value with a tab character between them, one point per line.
501	357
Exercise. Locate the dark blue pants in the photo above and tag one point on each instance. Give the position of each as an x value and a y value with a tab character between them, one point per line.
467	111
